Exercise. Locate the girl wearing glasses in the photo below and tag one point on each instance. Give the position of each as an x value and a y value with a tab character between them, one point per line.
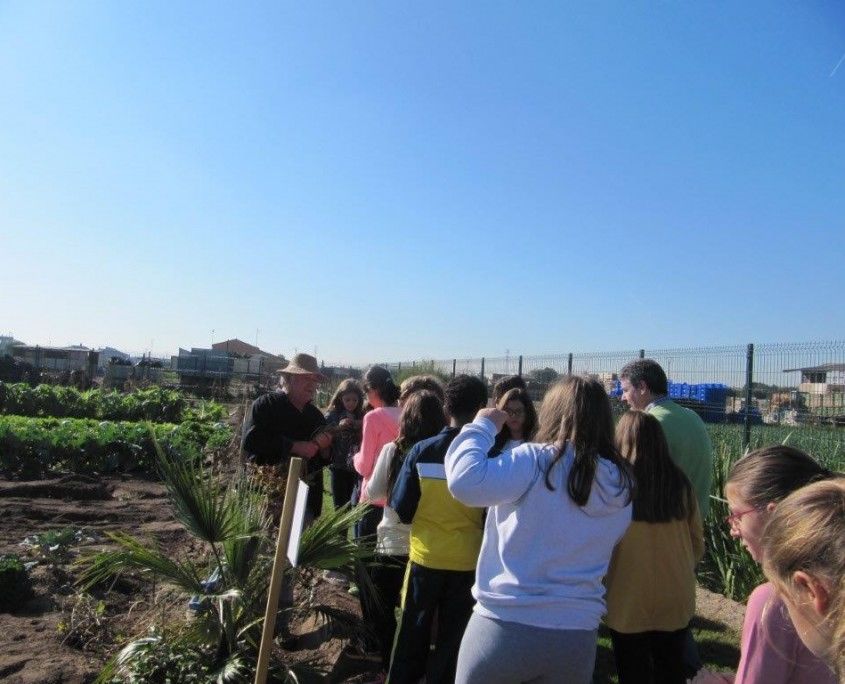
770	649
521	423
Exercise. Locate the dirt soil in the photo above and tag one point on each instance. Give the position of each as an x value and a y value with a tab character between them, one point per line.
56	639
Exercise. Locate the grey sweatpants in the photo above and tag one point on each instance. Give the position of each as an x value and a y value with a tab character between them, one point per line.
496	652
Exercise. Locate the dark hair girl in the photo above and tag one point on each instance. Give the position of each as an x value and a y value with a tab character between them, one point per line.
378	380
348	387
659	549
662	493
346	411
422	417
522	419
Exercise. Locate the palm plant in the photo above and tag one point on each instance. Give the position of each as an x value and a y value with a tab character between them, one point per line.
232	522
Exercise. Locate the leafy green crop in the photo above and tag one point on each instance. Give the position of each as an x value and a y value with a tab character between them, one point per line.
155	404
35	447
15	585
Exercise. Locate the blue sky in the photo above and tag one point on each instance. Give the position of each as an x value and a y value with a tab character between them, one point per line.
409	180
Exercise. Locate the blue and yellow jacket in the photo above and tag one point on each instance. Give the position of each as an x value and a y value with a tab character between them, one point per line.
445	534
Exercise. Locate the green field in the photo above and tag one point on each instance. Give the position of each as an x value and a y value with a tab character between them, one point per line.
825	444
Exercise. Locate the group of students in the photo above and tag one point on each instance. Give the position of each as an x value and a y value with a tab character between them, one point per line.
506	537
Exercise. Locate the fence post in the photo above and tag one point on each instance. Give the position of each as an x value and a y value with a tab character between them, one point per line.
519	372
454	366
399	370
569	364
482	368
749	377
642	353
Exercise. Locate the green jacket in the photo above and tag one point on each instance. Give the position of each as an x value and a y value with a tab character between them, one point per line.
689	446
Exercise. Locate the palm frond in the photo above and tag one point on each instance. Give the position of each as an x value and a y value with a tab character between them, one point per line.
233	670
325	544
134	555
198	497
250	523
339	622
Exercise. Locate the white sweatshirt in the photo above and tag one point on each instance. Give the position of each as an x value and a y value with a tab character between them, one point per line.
392	537
543	557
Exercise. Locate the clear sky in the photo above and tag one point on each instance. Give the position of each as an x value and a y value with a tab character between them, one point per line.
403	180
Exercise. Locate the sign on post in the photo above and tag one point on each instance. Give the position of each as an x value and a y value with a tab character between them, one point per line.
292	518
298	523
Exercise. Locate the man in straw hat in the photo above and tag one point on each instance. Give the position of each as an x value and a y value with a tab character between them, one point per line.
285	423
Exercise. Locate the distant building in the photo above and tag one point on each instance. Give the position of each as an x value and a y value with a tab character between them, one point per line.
202	363
109	353
822	387
249	359
6	344
75	357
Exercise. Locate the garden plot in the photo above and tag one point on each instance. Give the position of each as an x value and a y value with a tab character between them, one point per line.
62	635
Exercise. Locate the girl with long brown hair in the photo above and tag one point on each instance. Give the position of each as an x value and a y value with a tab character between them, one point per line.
651	579
557	507
521	424
345	415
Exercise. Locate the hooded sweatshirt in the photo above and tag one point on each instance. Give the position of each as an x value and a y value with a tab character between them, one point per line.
543	557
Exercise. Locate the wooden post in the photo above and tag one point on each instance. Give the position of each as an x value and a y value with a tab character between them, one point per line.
276	577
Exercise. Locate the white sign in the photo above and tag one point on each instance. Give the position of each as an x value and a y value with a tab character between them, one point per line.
298	522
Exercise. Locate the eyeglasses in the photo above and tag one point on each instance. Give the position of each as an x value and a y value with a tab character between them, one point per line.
515	413
733	519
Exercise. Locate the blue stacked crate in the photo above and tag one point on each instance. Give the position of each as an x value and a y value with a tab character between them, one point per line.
617	389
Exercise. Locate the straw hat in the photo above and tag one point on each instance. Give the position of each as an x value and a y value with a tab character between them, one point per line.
303	364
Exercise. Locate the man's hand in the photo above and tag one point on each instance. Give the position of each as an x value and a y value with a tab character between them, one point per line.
498	417
304	449
323	440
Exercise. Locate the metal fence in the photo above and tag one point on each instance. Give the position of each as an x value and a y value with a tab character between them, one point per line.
757	387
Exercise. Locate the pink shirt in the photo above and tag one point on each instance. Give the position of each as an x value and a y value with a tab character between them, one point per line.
381	426
771	651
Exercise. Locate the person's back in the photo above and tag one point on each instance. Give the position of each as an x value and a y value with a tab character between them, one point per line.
445	533
557	508
689	447
444	545
543	556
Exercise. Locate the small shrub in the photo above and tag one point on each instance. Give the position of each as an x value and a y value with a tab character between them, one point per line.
55	546
15	585
84	623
